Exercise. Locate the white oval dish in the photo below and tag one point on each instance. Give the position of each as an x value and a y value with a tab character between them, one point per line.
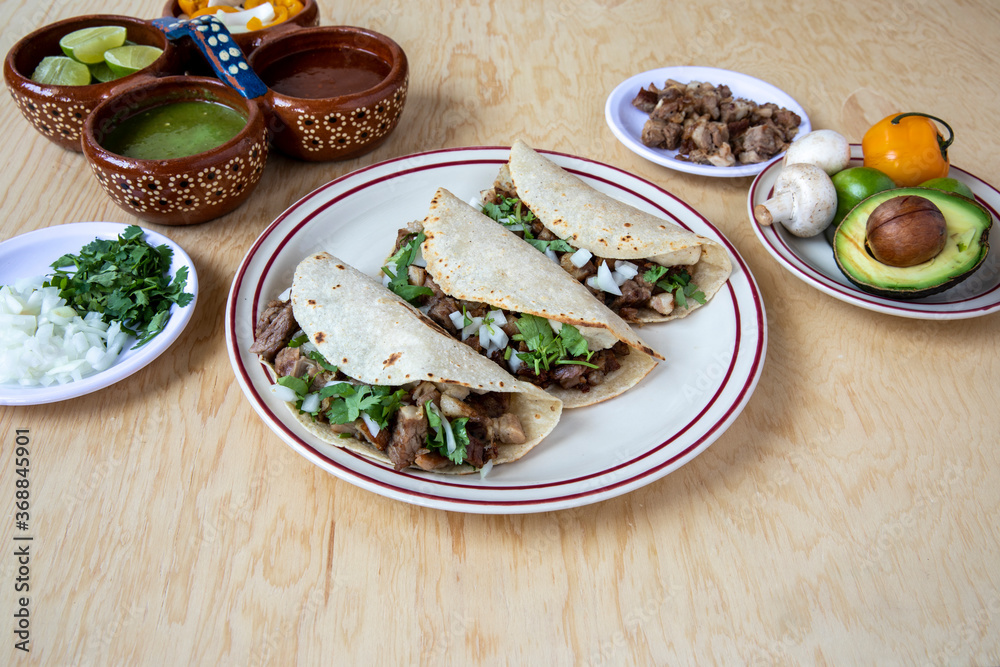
811	260
714	357
626	121
30	255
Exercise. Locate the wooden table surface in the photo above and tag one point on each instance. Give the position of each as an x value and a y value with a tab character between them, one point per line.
848	516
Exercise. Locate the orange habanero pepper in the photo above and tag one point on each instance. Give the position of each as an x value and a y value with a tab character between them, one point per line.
908	148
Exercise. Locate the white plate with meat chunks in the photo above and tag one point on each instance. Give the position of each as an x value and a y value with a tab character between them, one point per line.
713	357
704	120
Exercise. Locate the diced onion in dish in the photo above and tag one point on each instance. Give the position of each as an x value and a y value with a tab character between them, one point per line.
499	319
311	403
514	362
419	260
373	428
551	254
605	281
485	470
283	393
626	269
458	319
287	294
43	341
580	257
472	328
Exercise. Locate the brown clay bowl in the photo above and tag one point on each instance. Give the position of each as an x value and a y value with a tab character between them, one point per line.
58	112
346	124
248	41
179	191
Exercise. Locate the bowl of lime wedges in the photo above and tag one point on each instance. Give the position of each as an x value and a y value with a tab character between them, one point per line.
59	73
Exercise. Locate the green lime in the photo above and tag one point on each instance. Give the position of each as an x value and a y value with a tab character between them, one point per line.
128	59
61	71
949	185
89	44
101	72
854	184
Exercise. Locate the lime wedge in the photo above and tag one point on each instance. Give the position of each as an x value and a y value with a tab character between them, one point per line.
101	72
125	60
61	71
89	44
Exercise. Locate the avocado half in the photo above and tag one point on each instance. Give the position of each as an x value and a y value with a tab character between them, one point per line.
968	225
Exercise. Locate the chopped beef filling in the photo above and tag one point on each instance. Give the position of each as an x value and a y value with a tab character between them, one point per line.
405	439
707	125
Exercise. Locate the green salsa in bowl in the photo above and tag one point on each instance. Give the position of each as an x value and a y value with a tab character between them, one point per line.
177	150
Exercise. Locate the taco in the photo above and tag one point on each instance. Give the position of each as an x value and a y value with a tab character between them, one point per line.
502	298
642	267
363	370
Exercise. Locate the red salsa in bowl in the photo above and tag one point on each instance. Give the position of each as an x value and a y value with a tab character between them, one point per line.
322	73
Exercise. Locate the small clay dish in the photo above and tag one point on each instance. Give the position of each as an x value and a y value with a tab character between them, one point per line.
58	112
182	190
334	92
248	41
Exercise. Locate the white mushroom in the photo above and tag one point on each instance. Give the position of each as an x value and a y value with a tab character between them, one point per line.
804	201
826	149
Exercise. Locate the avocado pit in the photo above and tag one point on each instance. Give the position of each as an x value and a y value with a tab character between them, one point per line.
906	231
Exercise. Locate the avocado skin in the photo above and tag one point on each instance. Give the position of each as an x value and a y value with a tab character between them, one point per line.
937	275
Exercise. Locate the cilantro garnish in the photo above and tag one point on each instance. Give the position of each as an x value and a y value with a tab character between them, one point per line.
439	440
510	214
398	273
351	400
556	245
298	341
679	284
547	348
126	280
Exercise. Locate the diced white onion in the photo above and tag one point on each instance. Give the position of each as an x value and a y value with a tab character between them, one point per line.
386	279
373	428
514	362
550	253
472	328
499	338
627	269
592	282
484	336
283	393
458	319
310	403
605	281
419	260
43	341
286	294
425	309
580	257
499	319
485	470
618	278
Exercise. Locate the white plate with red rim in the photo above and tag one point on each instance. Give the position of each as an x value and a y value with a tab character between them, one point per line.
713	357
812	261
626	121
31	254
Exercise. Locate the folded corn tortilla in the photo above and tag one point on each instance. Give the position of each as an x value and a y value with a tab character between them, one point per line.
377	338
589	219
472	258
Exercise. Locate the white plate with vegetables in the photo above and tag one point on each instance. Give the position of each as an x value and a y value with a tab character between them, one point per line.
811	259
626	121
50	353
713	357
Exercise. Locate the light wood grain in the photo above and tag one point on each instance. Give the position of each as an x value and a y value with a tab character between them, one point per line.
849	516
